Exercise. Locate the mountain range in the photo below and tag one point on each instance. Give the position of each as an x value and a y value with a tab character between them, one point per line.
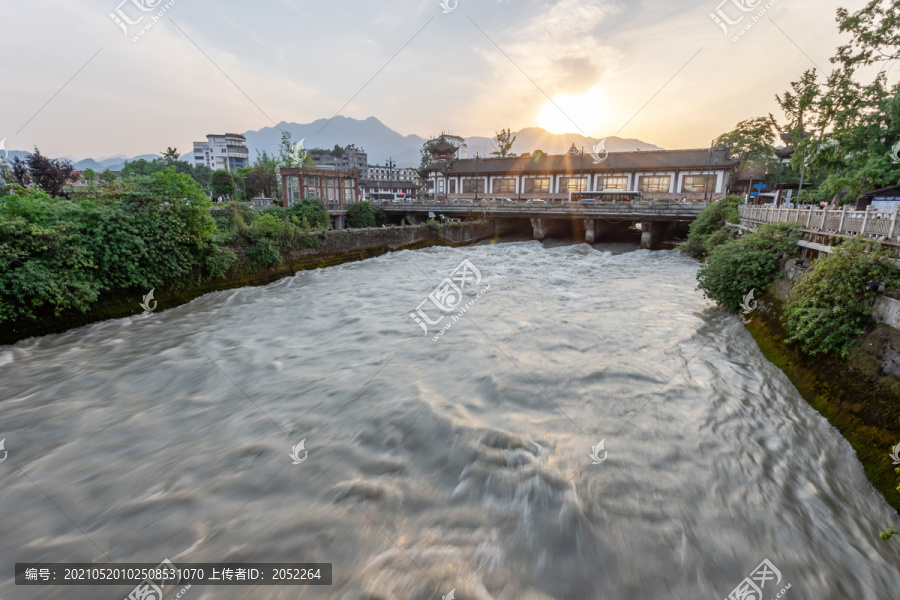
382	143
379	141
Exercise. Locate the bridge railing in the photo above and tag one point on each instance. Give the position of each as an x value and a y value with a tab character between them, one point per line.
871	223
548	204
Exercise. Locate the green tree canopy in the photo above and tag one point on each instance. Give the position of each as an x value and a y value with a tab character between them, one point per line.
222	184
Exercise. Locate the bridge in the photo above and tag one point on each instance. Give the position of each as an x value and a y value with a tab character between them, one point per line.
657	218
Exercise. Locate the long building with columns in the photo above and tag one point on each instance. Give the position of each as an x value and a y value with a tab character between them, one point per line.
657	174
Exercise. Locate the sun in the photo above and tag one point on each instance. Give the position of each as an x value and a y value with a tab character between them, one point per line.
573	114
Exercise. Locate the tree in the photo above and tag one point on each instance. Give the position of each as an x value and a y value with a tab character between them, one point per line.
89	176
203	175
107	177
291	156
752	141
505	140
264	178
20	171
875	31
222	184
170	155
51	175
361	214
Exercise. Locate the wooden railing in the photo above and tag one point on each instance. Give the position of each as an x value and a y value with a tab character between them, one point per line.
883	226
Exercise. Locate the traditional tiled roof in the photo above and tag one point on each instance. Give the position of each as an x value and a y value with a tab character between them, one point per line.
652	160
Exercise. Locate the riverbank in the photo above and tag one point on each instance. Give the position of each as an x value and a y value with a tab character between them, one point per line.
859	396
334	248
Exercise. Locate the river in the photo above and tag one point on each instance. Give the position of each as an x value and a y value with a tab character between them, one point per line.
463	463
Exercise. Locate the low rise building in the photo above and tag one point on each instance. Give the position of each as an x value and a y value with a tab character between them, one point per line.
336	189
657	174
351	158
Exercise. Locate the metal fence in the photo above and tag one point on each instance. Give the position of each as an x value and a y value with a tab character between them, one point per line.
871	223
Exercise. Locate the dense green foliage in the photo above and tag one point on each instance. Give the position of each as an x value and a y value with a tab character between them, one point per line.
361	214
844	125
222	184
310	212
830	307
751	262
709	223
61	254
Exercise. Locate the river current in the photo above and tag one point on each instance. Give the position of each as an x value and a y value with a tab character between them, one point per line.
590	428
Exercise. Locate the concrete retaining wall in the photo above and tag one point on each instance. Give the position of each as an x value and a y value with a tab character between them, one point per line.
887	310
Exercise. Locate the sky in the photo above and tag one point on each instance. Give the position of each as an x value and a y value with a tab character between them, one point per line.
76	83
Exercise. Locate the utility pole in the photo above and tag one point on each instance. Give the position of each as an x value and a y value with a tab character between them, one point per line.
708	170
477	178
581	175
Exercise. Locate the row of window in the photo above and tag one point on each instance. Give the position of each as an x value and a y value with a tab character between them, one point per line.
541	185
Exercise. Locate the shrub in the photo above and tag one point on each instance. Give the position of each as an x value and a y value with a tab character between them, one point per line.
263	254
361	214
750	262
313	210
435	225
830	307
710	221
62	254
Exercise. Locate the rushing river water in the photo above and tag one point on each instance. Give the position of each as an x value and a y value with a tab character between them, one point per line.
458	464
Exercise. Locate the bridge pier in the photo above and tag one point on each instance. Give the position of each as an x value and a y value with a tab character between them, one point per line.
541	228
589	235
412	219
654	233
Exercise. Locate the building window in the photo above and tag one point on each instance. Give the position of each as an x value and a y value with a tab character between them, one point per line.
505	185
537	185
614	183
656	183
451	186
572	184
473	186
699	183
293	189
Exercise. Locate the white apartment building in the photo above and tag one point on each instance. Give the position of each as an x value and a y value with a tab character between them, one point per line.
226	152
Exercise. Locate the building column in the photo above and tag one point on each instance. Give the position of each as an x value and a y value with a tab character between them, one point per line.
338	221
589	234
540	228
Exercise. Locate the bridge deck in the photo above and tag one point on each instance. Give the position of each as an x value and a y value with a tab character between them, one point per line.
647	210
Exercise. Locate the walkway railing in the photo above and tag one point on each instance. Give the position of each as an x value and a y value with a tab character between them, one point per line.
883	226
